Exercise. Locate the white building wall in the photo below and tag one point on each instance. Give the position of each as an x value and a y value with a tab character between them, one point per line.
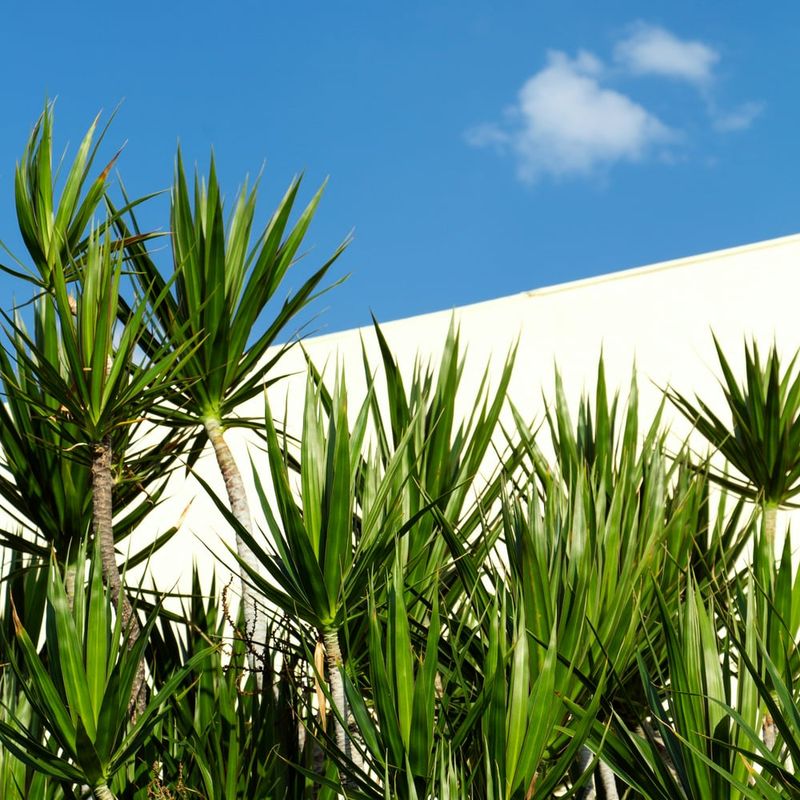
660	316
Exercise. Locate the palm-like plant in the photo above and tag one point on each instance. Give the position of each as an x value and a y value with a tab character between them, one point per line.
481	695
402	743
489	638
26	583
80	695
55	230
224	737
600	530
762	440
100	389
698	736
768	669
47	483
339	532
221	287
445	453
616	522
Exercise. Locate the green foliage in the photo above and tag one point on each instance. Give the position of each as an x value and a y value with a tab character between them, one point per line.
322	559
762	441
81	693
54	230
226	738
461	606
96	380
223	279
444	453
401	739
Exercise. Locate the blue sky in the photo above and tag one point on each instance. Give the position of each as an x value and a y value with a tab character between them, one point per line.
476	149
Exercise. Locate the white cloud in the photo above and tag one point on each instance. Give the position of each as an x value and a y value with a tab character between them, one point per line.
569	121
739	119
566	123
651	50
487	134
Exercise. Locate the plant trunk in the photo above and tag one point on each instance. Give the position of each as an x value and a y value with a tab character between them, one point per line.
589	791
770	524
70	573
769	729
334	656
255	623
609	781
103	529
102	792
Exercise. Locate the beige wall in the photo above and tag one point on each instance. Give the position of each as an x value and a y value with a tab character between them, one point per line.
659	315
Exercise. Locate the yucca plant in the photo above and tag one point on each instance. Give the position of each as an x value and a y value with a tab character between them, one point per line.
80	694
47	483
700	685
401	732
445	686
20	780
26	581
774	752
223	736
762	619
445	485
529	742
501	637
617	521
56	230
699	736
224	279
762	439
590	534
99	387
326	541
445	453
778	605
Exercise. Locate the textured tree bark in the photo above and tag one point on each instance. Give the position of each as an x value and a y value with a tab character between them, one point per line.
770	523
70	571
255	623
334	656
102	792
103	529
589	791
608	780
769	729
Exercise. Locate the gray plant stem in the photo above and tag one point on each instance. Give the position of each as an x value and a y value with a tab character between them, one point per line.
770	523
769	729
70	573
103	530
334	656
609	781
589	791
255	623
102	792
